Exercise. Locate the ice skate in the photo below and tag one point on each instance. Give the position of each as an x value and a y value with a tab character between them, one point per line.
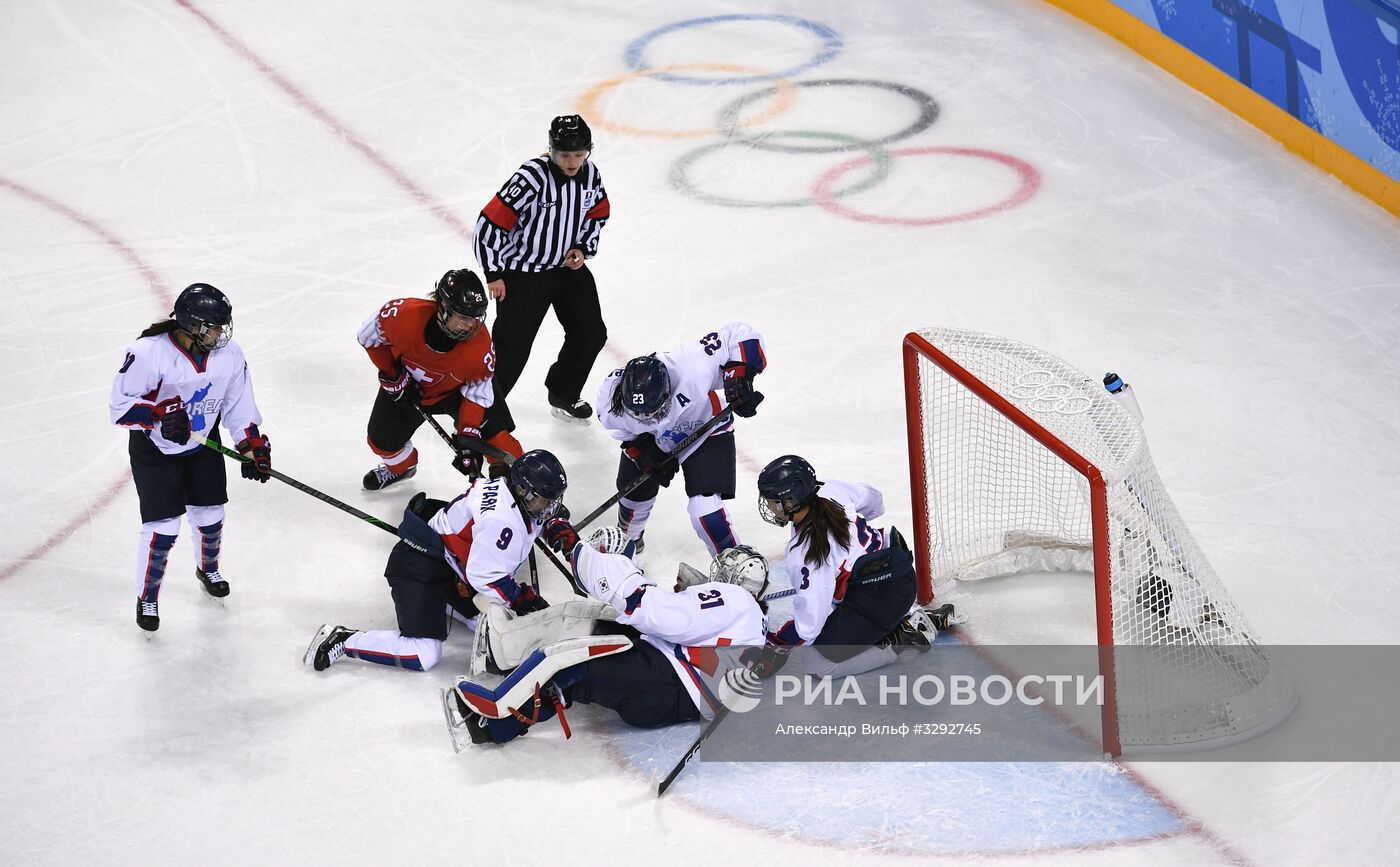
147	615
572	411
327	647
213	583
916	631
382	477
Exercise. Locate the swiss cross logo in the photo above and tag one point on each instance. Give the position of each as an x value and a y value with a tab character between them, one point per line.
423	375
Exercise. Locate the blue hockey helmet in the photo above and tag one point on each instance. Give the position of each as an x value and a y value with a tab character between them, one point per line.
569	133
790	482
644	391
537	479
199	310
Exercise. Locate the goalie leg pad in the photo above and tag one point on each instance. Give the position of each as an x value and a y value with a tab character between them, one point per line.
509	639
520	688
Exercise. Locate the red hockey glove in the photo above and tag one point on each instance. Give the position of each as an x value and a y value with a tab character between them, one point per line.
527	601
771	661
257	447
739	391
173	420
559	534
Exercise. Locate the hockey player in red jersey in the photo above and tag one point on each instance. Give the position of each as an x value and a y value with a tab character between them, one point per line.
434	354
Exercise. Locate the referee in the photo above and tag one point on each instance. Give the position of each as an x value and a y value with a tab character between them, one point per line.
532	239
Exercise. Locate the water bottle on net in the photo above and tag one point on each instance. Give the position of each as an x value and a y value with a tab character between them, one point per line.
1120	389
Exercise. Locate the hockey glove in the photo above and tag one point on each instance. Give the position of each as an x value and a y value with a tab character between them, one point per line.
559	534
173	420
468	445
398	385
649	458
527	601
739	391
259	449
771	661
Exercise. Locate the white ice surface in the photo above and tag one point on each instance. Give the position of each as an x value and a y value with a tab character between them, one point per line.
314	160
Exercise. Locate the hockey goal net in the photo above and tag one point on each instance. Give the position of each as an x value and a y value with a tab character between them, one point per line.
1021	464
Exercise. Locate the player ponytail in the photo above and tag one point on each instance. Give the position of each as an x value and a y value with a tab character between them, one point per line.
164	326
825	521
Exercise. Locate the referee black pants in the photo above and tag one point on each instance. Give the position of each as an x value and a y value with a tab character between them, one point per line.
574	297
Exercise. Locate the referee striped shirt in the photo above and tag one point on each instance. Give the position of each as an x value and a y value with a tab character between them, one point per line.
538	216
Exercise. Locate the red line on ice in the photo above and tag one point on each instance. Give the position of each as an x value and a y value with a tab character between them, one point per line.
163	295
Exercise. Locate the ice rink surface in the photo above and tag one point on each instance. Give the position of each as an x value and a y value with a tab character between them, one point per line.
1033	179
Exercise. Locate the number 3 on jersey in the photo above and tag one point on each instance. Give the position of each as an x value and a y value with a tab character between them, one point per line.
710	598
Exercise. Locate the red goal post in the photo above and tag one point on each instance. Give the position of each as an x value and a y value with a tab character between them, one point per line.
1019	463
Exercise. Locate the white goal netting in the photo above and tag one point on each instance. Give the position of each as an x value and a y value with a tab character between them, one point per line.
1010	442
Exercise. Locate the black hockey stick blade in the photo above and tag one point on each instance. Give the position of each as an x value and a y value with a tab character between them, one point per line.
690	753
701	432
300	486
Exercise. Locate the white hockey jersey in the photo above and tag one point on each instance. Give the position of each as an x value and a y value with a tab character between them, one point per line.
486	538
821	588
696	370
158	368
687	627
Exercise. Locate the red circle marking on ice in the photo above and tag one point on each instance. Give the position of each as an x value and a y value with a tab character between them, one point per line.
1030	184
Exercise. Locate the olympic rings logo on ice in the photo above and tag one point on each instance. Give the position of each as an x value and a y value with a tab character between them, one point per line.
735	126
1042	391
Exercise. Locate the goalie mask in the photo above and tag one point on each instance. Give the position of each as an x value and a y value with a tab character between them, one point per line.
743	566
608	540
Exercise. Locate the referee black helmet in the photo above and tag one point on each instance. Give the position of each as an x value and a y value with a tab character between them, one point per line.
569	133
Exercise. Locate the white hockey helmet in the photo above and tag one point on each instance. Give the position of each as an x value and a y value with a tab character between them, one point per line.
608	540
741	565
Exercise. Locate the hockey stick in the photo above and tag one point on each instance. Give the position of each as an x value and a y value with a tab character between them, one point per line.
481	447
304	488
704	430
506	457
690	753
